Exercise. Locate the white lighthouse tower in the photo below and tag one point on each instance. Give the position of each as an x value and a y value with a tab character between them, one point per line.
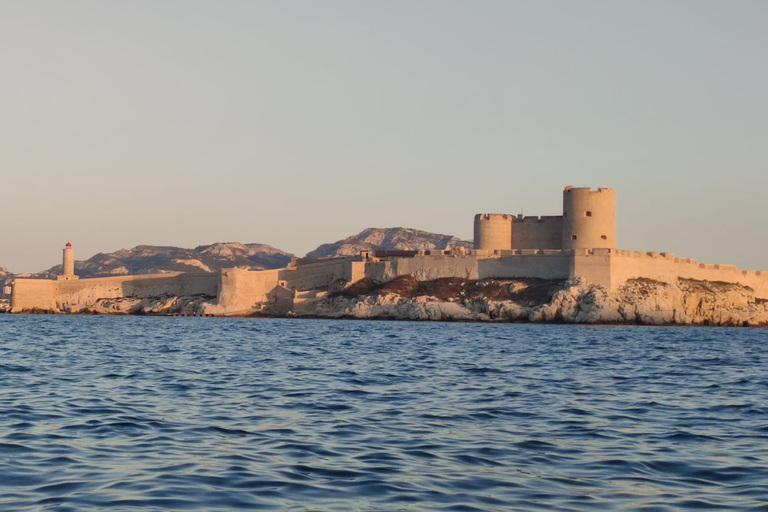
68	263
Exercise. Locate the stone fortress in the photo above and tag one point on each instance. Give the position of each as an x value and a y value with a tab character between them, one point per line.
588	222
581	243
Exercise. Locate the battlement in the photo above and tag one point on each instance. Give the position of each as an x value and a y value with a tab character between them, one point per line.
590	190
535	219
493	216
518	252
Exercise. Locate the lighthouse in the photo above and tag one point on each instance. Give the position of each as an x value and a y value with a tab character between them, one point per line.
68	263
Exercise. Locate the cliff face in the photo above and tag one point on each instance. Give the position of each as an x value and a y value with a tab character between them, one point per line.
641	301
149	259
402	239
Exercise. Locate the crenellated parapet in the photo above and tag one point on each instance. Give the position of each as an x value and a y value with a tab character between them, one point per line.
537	232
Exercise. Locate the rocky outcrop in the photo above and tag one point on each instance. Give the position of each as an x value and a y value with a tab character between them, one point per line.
641	301
150	259
401	239
185	306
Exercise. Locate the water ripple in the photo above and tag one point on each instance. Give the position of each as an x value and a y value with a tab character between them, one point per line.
224	414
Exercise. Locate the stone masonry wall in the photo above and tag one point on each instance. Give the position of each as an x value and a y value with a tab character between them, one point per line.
544	232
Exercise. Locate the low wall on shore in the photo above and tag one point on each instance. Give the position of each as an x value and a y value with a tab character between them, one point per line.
323	273
29	294
666	268
612	268
241	289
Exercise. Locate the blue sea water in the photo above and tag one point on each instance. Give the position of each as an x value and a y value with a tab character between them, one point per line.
147	413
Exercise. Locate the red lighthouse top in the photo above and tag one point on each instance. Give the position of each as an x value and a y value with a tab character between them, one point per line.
68	245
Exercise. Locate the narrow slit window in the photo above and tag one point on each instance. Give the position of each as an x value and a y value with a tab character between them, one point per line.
573	237
604	237
587	214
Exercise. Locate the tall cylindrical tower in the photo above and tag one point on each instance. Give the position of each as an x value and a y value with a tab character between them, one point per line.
69	260
589	218
493	231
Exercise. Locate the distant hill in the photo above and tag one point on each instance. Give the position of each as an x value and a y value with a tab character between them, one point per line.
404	239
150	259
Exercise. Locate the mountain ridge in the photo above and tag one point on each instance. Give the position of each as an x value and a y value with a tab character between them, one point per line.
398	238
157	259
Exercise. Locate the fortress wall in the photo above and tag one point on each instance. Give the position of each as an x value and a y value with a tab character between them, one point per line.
380	271
427	268
537	232
241	289
33	294
356	271
594	266
183	284
83	291
625	265
554	265
503	264
79	292
320	274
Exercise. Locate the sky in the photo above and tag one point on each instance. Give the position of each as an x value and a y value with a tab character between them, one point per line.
295	123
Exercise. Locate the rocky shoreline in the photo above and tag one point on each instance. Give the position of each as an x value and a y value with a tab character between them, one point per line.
639	302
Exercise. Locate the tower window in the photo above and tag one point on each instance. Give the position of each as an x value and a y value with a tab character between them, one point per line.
604	237
573	237
587	214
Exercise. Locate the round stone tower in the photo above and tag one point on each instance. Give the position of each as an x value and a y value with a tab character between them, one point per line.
493	231
589	218
69	261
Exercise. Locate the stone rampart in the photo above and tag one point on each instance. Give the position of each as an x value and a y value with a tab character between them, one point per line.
550	264
665	267
31	294
321	273
612	268
239	290
427	268
476	264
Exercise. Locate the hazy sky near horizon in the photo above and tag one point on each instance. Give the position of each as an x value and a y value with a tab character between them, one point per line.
294	123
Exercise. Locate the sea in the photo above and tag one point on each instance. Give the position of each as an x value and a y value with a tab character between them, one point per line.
177	413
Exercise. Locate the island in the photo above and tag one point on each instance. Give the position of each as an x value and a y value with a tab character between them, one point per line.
563	268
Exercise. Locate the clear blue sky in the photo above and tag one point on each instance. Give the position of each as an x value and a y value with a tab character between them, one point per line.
293	123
